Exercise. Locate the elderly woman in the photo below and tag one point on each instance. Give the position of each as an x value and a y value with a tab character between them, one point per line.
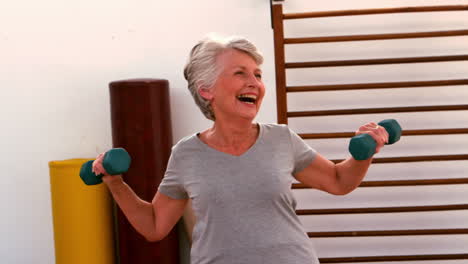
237	173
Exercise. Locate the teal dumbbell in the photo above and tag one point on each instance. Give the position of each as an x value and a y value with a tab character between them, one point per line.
116	161
363	146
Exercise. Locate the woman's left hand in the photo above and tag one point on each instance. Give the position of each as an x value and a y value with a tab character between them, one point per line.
378	133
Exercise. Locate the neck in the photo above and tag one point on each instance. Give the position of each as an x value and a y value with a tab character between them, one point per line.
231	133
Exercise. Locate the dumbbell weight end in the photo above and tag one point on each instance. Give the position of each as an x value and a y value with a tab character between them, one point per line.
87	175
362	147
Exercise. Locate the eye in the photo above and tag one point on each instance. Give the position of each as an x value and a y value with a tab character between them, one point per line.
258	75
239	73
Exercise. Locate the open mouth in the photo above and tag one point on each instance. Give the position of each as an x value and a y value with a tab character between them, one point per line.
247	98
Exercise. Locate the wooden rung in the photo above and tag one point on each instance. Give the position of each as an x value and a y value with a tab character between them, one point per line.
374	210
432	34
421	158
313	64
455	231
327	135
446	131
405	109
394	258
416	158
399	183
417	132
371	86
375	11
414	182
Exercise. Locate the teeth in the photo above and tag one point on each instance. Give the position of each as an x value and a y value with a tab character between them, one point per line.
251	96
247	98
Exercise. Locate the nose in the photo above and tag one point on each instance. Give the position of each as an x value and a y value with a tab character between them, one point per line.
253	81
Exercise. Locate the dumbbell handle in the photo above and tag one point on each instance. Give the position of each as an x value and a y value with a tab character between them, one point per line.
362	147
115	161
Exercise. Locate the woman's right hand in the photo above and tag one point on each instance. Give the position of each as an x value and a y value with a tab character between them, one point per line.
140	213
98	169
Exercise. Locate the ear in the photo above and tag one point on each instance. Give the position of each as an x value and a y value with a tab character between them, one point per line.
206	93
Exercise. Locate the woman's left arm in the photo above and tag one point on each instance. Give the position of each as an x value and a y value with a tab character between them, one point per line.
344	177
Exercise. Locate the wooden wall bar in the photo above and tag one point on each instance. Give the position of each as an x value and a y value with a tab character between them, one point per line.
312	64
372	86
375	11
431	34
281	101
281	41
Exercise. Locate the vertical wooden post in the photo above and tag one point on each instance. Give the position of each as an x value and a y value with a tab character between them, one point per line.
141	124
281	99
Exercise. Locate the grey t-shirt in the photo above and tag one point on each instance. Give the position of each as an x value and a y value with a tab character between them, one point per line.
243	205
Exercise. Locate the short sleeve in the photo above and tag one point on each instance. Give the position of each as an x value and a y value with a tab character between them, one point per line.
171	184
303	154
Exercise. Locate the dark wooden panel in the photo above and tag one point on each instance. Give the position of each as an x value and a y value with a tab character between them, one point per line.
432	34
141	124
371	86
411	9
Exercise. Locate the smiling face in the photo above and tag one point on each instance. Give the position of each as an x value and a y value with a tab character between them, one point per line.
238	92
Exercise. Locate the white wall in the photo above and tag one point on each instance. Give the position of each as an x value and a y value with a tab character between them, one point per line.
56	61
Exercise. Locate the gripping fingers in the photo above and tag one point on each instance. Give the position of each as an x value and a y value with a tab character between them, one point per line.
97	167
378	139
378	133
384	134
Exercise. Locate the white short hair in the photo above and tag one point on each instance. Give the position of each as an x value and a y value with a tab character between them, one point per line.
202	70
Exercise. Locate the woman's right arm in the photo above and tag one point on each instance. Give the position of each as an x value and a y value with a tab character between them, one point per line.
152	220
